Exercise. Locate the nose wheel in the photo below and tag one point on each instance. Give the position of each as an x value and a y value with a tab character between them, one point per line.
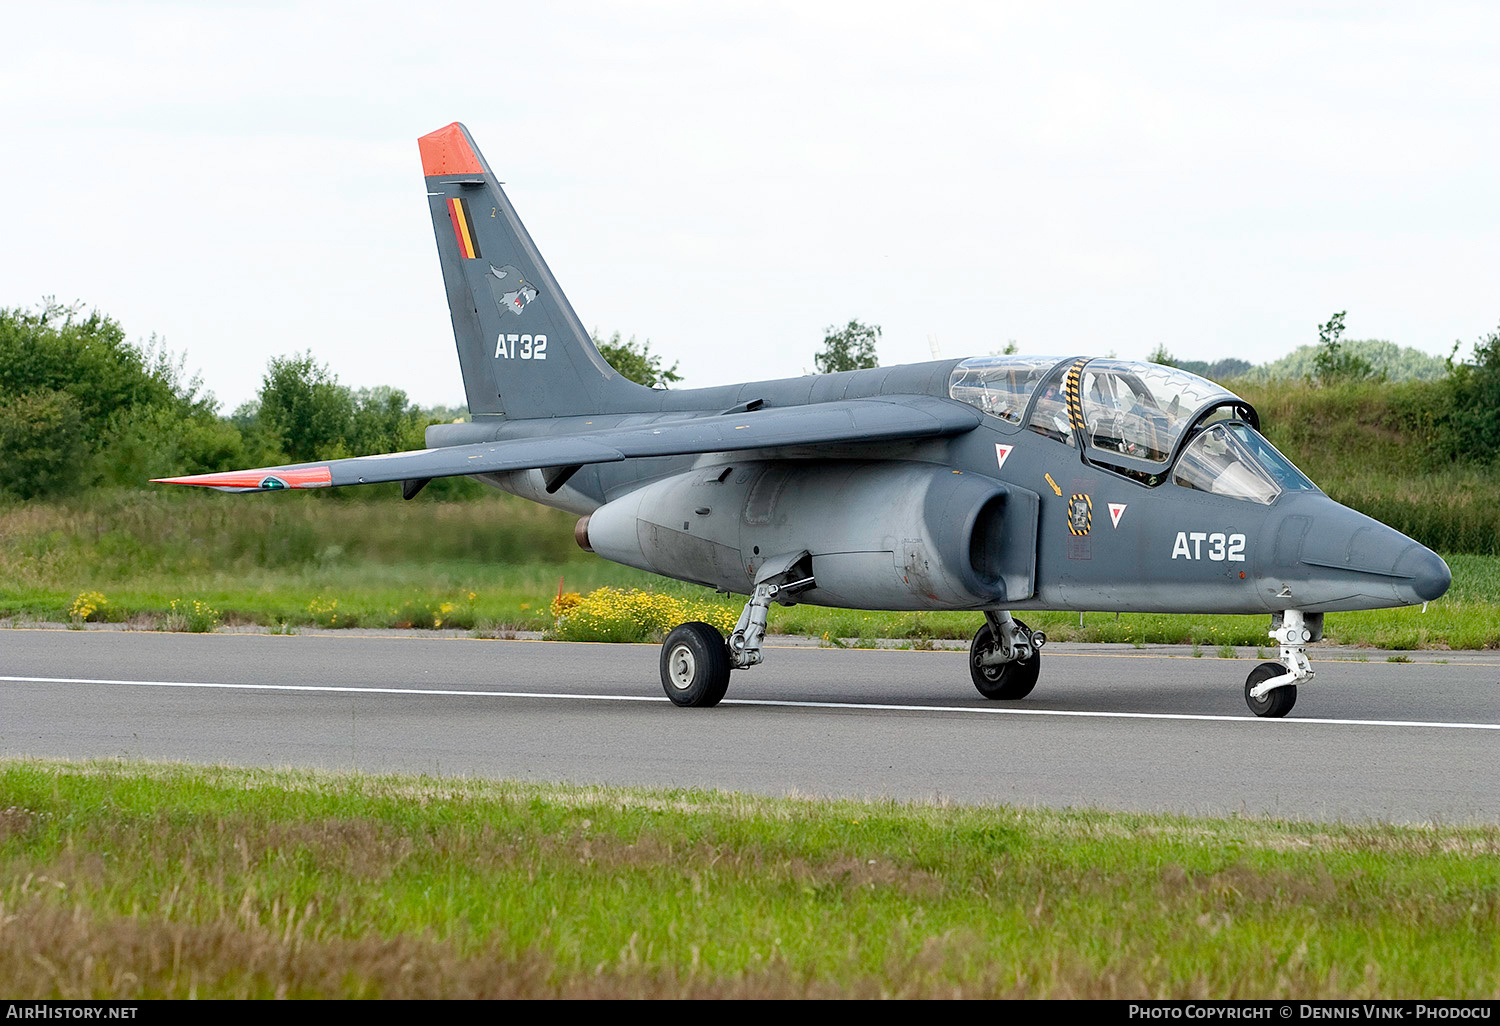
1272	704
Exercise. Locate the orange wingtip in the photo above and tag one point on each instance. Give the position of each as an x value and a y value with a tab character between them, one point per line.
447	152
270	480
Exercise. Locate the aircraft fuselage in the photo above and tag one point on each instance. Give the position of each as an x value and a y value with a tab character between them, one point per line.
1104	540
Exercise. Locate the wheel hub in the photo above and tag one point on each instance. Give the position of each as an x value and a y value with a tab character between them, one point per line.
682	667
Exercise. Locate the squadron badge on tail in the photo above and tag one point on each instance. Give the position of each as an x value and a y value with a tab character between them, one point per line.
512	291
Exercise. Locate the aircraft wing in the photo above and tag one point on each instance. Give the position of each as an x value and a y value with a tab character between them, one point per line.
885	419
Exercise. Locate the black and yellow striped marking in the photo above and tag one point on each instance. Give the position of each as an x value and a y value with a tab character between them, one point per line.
1072	390
1080	514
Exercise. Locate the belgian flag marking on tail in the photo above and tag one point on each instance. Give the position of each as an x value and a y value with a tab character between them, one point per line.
463	228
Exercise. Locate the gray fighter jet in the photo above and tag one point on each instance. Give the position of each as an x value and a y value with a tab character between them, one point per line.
995	484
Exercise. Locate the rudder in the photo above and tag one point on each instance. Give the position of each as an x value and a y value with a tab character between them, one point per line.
523	351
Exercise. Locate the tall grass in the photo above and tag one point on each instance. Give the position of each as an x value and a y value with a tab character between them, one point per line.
123	534
305	559
1383	449
139	881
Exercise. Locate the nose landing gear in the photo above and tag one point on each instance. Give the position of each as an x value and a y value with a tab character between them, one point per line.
1271	688
1005	658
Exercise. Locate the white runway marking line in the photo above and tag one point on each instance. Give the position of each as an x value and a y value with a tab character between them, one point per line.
779	703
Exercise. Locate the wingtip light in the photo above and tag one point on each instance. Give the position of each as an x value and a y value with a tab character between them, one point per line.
271	479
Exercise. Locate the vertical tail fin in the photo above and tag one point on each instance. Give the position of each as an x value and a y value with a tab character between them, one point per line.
523	351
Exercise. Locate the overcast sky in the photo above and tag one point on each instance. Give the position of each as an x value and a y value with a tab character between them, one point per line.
729	179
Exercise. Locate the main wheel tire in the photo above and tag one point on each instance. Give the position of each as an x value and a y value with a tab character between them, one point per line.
1008	681
695	665
1272	704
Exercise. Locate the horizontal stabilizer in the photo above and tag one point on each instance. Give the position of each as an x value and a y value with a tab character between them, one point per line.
847	421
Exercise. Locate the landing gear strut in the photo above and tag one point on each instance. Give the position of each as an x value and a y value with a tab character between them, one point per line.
1271	688
696	660
1006	657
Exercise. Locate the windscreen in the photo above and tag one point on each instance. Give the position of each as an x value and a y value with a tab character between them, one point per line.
1281	469
1233	459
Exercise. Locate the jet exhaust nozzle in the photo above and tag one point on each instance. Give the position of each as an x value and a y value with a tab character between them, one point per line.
581	534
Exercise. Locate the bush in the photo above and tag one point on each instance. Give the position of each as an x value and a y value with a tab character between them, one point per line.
1394	451
89	605
632	615
193	616
79	403
433	614
325	613
1474	401
42	446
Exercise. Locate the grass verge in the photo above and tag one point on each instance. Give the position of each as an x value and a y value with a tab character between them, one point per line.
136	880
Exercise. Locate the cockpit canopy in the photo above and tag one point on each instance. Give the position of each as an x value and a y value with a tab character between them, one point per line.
1133	417
1141	410
1000	386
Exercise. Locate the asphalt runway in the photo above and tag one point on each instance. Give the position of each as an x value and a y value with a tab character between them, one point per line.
1401	742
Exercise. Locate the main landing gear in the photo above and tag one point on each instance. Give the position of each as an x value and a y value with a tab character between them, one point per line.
695	665
1271	688
1005	657
696	660
1004	660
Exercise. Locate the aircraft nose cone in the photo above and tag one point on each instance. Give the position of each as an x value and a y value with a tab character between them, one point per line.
1348	550
1428	574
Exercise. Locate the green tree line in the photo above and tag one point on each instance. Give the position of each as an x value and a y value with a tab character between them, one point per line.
82	406
1440	412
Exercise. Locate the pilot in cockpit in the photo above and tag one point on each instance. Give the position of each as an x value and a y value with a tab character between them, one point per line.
1051	416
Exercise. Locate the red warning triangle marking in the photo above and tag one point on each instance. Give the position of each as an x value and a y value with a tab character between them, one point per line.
1116	511
1001	452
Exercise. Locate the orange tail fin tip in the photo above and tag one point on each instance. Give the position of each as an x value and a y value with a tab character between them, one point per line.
447	152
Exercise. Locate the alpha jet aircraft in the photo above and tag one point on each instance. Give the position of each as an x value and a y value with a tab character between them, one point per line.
997	484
